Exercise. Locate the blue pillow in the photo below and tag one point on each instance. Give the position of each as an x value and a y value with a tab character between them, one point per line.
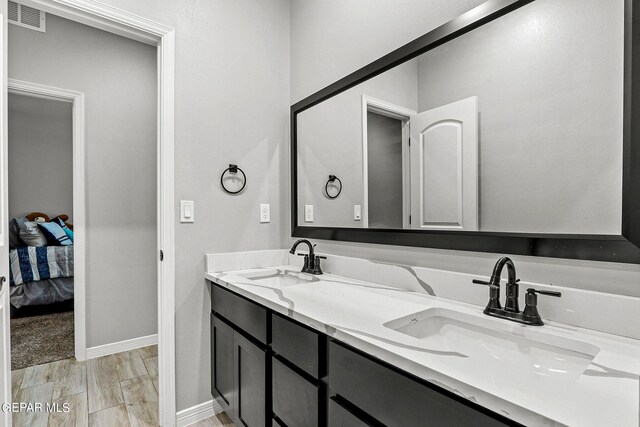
64	227
55	234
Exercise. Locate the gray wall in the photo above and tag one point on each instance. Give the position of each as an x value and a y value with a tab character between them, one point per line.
333	38
384	160
40	156
330	142
118	78
232	103
550	115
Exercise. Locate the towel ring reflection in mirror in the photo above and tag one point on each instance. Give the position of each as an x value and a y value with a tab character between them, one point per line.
233	169
332	182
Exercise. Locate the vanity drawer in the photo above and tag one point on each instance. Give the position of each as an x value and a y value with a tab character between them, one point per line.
295	400
395	399
296	343
246	315
340	417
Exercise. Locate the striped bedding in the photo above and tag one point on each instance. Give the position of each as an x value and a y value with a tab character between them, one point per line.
30	263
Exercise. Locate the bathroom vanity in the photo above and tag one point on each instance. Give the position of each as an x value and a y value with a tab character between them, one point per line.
267	368
343	349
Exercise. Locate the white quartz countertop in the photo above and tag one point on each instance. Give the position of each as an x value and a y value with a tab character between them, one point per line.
606	392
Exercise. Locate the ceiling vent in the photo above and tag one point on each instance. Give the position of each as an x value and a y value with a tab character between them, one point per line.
25	16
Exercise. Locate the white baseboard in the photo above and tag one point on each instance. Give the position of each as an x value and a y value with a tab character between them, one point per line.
120	346
192	415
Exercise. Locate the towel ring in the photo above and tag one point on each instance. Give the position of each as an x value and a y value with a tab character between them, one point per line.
233	169
332	178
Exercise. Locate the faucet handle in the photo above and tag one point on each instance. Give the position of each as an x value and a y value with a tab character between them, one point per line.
486	283
532	291
530	313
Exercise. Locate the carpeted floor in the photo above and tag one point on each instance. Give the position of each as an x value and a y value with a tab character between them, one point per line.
41	339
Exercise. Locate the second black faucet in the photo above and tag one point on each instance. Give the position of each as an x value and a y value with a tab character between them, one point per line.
511	310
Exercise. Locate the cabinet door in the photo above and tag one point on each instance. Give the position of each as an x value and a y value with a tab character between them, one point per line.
222	381
251	384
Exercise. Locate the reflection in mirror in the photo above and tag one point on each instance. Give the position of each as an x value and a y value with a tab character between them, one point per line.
515	126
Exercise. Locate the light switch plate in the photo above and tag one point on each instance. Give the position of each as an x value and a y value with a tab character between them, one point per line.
187	211
357	212
265	212
308	213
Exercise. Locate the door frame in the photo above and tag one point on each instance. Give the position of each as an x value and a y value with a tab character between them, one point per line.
378	106
123	23
76	99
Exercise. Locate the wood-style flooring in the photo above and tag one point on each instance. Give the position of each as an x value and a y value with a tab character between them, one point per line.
116	390
219	420
119	390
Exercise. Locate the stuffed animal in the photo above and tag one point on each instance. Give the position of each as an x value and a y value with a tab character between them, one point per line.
43	217
38	217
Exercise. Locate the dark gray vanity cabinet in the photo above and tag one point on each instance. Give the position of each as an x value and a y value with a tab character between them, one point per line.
240	360
269	370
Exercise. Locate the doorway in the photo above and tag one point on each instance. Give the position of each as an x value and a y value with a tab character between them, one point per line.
386	164
41	232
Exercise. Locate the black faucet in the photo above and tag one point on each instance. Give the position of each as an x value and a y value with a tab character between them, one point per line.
311	261
511	310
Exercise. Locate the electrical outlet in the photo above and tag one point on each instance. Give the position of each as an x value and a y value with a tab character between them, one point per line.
265	212
357	212
308	213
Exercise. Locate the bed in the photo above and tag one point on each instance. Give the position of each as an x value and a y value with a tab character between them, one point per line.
40	276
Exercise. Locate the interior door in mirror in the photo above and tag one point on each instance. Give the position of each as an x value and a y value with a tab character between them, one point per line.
444	167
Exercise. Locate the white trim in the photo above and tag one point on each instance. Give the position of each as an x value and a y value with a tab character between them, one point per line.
104	17
79	204
5	334
196	413
390	110
123	23
120	346
166	233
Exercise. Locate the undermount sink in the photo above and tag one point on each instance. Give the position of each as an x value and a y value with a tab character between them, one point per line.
278	278
498	348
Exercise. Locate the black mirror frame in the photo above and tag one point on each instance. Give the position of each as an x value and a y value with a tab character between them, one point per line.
623	248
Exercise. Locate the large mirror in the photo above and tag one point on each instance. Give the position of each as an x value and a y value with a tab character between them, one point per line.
513	127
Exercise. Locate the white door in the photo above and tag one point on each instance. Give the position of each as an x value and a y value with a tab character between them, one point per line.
444	167
5	340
